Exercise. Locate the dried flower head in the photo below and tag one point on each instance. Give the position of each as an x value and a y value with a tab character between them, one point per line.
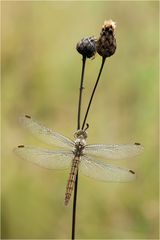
106	44
87	46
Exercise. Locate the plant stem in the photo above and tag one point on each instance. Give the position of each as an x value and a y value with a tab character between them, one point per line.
78	127
94	89
74	207
80	93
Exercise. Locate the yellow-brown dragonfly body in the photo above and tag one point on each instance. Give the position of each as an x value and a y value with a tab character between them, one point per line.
79	156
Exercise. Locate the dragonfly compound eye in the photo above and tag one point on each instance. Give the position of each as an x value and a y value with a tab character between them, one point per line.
80	134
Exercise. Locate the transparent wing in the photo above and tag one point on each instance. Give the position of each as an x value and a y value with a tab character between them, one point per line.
45	134
114	151
104	172
44	157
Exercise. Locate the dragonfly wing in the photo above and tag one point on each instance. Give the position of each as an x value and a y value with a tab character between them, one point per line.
44	157
114	151
45	134
104	172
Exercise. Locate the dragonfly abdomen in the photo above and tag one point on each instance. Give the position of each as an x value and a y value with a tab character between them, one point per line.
71	180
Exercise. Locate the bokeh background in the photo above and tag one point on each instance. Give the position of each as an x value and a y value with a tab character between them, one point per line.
40	76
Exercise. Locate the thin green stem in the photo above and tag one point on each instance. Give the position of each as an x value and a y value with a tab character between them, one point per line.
92	95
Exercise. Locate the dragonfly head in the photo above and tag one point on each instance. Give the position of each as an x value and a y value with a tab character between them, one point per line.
80	137
80	134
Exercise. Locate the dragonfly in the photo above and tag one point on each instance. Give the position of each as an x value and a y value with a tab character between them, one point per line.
78	155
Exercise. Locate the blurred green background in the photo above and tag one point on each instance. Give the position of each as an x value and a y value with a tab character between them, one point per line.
40	76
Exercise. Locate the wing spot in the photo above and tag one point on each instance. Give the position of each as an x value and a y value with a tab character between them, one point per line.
131	171
27	116
21	146
137	144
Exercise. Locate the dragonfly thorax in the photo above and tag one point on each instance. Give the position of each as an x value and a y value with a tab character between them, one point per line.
81	142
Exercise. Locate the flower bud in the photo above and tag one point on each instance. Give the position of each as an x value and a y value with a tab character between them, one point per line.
87	47
106	44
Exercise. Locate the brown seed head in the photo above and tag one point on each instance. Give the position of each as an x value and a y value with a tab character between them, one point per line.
106	44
